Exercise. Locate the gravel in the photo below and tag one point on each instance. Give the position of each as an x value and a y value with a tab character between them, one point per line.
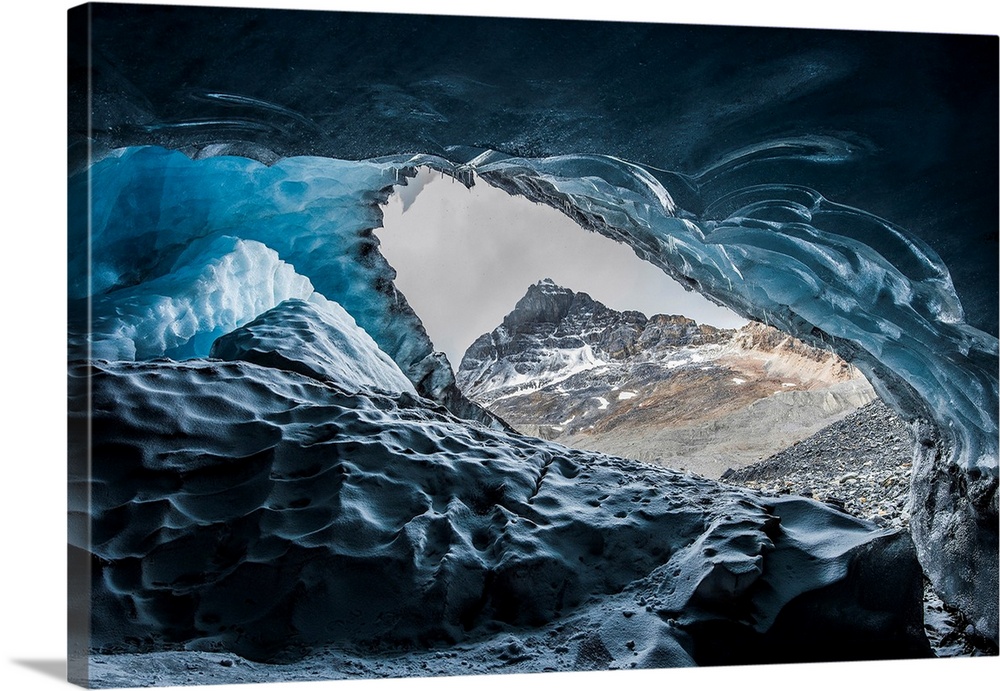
860	464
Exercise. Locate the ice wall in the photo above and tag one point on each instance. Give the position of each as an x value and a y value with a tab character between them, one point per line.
181	252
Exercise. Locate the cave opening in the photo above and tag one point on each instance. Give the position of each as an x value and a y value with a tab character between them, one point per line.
465	255
687	384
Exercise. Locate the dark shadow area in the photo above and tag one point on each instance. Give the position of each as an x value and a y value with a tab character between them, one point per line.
50	668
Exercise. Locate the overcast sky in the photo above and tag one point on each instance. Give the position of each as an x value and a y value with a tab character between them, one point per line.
465	257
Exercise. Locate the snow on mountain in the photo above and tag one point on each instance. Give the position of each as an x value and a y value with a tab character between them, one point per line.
563	366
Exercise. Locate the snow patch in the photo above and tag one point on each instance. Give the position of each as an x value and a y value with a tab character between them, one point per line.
553	367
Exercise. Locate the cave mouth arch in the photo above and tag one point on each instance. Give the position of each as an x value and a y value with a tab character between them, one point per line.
948	386
463	256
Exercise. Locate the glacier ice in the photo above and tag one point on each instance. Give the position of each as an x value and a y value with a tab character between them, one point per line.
184	251
164	228
318	339
216	284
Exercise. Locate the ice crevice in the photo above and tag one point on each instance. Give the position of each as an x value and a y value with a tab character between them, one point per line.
186	251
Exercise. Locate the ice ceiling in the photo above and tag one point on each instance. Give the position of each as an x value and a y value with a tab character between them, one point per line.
842	186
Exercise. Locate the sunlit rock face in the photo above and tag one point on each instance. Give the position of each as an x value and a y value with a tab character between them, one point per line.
789	149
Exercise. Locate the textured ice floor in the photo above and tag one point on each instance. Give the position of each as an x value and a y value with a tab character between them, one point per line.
272	514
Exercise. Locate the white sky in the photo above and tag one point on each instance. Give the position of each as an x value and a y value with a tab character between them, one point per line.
464	257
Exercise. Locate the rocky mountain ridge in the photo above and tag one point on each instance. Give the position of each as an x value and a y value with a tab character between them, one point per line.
665	389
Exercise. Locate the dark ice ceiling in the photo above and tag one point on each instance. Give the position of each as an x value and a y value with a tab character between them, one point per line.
901	125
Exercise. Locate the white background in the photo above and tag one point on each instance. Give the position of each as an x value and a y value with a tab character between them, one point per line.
32	340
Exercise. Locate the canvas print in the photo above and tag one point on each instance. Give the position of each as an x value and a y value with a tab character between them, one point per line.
412	345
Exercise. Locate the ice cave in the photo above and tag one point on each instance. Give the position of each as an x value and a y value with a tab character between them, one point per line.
265	411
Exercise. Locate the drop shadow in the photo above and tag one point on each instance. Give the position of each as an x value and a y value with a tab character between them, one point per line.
50	668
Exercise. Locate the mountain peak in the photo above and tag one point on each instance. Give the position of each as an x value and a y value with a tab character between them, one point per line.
547	285
546	302
552	326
